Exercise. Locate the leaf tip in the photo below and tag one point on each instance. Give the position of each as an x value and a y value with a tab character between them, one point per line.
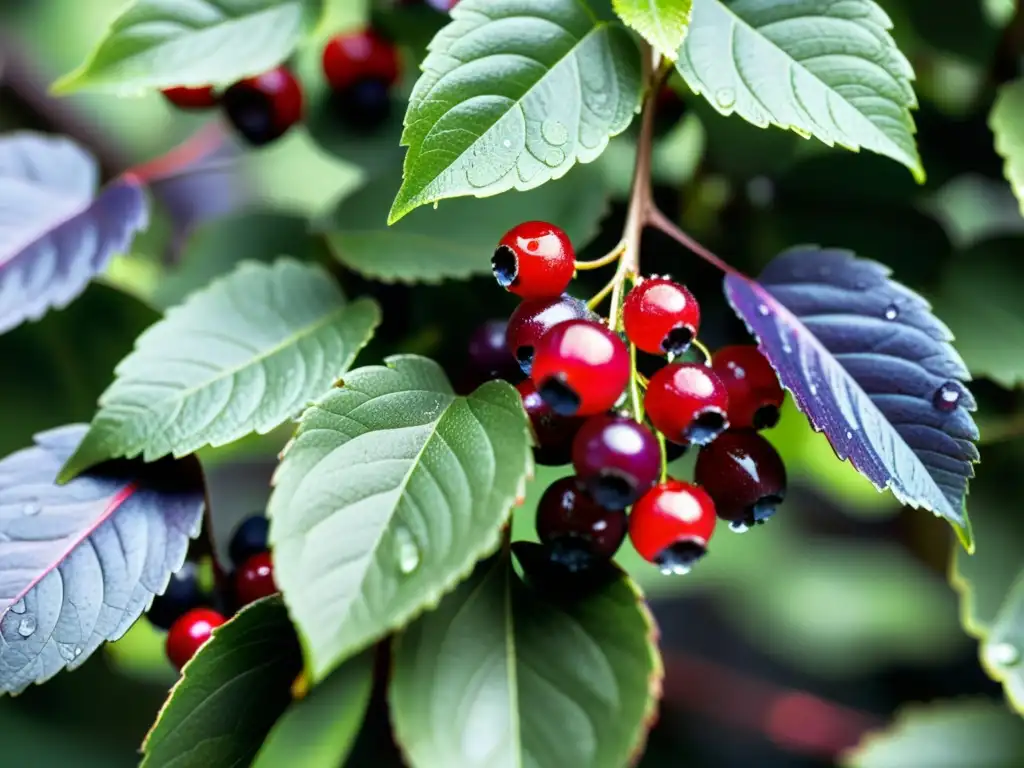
965	535
66	84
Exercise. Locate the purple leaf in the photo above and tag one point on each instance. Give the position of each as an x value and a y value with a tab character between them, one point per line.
79	563
871	367
56	233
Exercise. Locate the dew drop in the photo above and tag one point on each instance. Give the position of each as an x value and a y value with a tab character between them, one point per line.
946	397
18	607
725	97
677	569
737	527
737	371
27	626
849	435
31	509
406	552
814	390
554	133
78	651
1003	654
554	158
507	144
892	312
786	347
67	652
762	310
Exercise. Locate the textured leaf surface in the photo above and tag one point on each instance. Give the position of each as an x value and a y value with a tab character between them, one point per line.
497	676
513	94
230	693
818	67
391	490
156	44
1007	123
244	355
56	232
79	563
431	245
865	360
663	23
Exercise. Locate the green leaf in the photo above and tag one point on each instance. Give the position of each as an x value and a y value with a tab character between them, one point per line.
944	734
1007	123
513	94
819	68
157	44
392	489
245	354
229	694
499	676
663	23
431	245
319	731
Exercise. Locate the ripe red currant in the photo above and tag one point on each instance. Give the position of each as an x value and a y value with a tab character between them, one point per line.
184	97
534	260
554	434
616	460
755	394
745	476
264	107
661	316
249	538
580	368
488	356
532	319
670	525
687	403
576	530
188	634
360	55
255	579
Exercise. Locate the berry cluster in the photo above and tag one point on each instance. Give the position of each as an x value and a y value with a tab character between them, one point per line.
588	405
190	614
360	67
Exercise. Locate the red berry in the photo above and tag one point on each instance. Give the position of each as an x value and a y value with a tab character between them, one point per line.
616	460
670	525
576	530
755	394
357	56
184	97
554	434
687	403
188	634
580	368
745	476
532	319
661	317
255	579
534	260
264	107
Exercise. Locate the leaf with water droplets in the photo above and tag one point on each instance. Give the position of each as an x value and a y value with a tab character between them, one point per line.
391	490
872	368
513	94
79	563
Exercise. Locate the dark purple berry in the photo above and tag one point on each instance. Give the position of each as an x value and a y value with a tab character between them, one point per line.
553	433
488	356
744	475
575	529
616	460
250	538
183	593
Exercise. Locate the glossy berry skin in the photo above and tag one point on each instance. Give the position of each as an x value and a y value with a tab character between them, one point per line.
671	524
250	538
487	354
745	476
363	106
580	368
188	634
661	316
576	530
534	260
755	394
183	97
687	403
532	319
358	56
554	434
255	579
264	107
183	593
616	460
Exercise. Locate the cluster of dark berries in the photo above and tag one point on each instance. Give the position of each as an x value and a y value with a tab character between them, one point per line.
190	614
360	67
583	395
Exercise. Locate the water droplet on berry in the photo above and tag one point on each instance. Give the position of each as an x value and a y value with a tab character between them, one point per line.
18	607
676	569
762	310
725	97
892	312
27	626
946	397
406	552
31	509
738	527
737	370
1003	654
554	132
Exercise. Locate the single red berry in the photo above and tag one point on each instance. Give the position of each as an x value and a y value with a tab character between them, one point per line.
745	476
188	634
532	319
661	316
534	260
264	107
671	524
755	394
576	530
184	97
687	403
361	55
488	356
553	433
580	368
255	579
616	460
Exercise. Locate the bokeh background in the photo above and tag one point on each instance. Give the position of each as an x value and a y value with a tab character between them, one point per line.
787	643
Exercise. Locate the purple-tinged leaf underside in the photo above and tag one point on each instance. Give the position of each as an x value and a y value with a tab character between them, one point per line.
80	562
56	232
872	368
